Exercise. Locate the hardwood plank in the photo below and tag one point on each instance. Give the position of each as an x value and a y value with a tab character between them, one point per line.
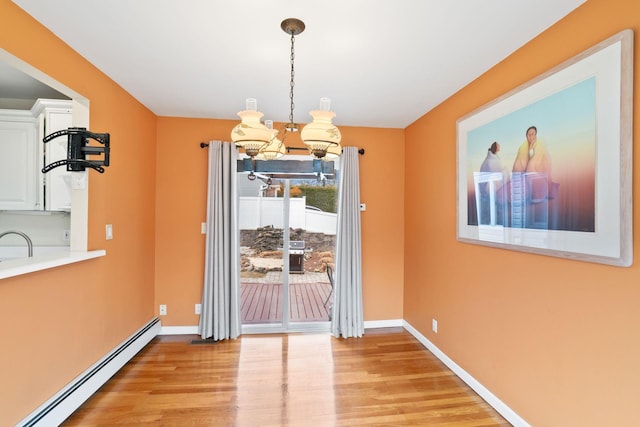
385	378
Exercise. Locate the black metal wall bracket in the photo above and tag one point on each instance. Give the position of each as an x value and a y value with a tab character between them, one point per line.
78	149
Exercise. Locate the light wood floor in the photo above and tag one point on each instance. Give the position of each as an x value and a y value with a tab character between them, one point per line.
386	378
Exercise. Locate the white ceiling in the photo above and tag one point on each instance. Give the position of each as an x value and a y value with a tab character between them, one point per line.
383	63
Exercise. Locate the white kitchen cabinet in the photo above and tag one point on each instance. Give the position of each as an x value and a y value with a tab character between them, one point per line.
18	161
54	115
23	186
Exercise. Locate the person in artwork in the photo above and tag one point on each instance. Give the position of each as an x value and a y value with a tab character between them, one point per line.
488	214
492	162
533	155
532	168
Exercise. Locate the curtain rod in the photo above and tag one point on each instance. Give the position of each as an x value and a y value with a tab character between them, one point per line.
204	145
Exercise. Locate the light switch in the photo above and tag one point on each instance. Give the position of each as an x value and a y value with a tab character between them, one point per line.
109	232
363	206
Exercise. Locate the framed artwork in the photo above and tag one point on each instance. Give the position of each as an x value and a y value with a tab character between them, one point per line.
547	167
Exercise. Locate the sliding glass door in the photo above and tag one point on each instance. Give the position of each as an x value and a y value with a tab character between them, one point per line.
287	239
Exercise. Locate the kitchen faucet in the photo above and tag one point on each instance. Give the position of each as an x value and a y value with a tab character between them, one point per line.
20	233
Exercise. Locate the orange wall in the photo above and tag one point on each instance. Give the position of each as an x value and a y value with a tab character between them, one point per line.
557	340
181	208
57	322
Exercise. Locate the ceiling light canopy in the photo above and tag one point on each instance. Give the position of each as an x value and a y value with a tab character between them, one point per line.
261	141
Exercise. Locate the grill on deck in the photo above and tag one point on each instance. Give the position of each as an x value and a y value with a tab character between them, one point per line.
296	256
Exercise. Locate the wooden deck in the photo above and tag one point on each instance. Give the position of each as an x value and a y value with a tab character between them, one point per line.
262	302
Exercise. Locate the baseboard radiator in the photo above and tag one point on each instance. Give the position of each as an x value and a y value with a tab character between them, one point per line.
58	408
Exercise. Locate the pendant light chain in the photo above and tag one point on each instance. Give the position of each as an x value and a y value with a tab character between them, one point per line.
292	83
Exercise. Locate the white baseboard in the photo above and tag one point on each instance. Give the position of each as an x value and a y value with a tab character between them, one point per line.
392	323
179	330
482	391
55	410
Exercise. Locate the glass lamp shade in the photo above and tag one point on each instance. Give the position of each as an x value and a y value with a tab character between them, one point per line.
321	134
250	134
334	152
273	150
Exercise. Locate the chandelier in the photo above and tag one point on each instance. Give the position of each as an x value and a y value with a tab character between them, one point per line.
260	141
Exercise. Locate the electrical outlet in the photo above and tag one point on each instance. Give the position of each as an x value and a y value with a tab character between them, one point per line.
363	207
198	308
163	309
434	326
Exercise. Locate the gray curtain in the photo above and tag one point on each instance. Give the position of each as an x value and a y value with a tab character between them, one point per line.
220	315
347	318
